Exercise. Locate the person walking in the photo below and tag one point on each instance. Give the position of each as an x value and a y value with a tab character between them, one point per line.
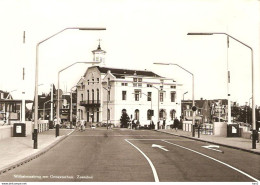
82	125
176	124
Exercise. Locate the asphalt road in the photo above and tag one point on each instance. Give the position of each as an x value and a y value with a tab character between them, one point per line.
121	155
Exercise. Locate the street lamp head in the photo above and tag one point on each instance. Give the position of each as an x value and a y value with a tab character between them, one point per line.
94	29
160	63
194	33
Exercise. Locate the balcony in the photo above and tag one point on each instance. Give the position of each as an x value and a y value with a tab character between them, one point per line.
90	103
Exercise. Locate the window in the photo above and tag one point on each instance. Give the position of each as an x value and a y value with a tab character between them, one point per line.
173	96
136	114
149	117
124	84
161	96
173	86
123	95
173	112
137	82
88	82
149	85
88	95
93	81
93	95
137	97
108	114
149	96
162	114
87	115
81	97
97	80
97	95
137	94
97	114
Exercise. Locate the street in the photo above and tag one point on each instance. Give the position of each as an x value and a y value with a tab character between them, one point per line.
123	155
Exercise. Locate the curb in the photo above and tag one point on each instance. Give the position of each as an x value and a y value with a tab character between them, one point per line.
211	142
33	156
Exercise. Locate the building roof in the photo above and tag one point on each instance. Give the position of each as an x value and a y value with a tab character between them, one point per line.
98	49
127	72
5	95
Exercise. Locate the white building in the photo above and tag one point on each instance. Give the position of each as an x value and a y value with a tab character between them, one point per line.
103	93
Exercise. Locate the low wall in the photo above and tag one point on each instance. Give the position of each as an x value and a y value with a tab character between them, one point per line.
220	129
6	131
187	126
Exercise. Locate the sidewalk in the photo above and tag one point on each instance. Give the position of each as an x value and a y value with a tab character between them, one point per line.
232	142
18	150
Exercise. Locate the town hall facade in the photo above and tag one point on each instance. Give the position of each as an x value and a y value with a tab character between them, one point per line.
104	93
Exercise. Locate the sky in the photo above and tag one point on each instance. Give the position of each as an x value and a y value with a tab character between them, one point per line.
138	33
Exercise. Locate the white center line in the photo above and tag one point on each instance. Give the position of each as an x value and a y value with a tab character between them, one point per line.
156	178
213	160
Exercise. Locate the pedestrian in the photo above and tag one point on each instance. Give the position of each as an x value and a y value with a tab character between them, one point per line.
164	123
176	124
82	125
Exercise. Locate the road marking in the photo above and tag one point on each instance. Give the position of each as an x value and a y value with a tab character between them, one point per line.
92	135
162	139
211	147
240	171
156	178
159	146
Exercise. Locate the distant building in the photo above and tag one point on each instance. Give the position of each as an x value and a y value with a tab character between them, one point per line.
10	109
44	106
104	93
207	110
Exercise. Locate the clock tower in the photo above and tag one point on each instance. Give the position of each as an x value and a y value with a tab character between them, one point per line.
99	55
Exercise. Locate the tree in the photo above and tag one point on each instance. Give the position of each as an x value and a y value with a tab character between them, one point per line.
124	120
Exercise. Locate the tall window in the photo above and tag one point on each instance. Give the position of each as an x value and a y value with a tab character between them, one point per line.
81	97
162	114
173	112
123	95
97	114
97	95
93	96
149	96
173	96
161	96
87	115
137	96
88	95
149	117
136	114
108	114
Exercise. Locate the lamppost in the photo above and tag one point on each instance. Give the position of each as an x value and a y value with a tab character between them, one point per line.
254	131
35	143
71	107
58	98
246	111
108	91
44	108
193	102
158	104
